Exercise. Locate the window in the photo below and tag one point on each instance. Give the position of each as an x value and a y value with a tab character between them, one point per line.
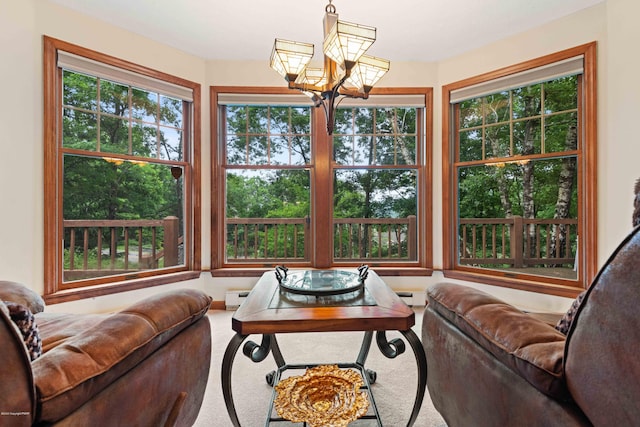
288	193
120	174
521	174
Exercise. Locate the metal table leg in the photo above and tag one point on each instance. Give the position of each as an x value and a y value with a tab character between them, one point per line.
363	354
395	347
421	362
255	352
227	364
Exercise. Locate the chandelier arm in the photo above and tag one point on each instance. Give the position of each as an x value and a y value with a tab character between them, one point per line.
330	109
331	117
342	99
326	109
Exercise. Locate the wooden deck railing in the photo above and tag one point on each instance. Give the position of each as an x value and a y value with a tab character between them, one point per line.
517	242
105	247
267	239
287	239
375	238
97	248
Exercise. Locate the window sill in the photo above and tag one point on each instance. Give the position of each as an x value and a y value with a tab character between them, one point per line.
117	287
540	287
381	271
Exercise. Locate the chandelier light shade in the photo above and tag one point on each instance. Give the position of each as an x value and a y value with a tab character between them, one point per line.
290	58
347	42
345	64
367	71
312	76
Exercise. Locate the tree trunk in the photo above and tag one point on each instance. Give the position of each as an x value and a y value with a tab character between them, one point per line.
565	190
402	147
532	106
503	189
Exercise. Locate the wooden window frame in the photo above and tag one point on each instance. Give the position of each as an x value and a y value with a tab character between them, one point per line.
587	184
322	255
54	289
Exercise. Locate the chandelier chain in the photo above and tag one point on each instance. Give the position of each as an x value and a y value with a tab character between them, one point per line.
330	8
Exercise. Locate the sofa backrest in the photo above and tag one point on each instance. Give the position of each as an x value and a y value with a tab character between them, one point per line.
17	389
602	364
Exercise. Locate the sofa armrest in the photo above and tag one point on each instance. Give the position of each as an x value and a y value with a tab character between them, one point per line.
17	393
527	345
20	294
70	374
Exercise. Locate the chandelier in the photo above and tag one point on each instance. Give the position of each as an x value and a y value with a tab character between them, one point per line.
347	72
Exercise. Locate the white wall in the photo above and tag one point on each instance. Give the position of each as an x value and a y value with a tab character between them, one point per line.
20	145
620	107
22	24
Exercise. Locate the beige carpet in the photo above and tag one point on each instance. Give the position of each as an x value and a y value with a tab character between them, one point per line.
394	389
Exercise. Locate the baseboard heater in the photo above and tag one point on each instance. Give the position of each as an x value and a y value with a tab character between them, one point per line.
233	299
414	298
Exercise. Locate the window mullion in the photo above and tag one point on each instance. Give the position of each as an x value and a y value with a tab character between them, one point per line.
322	212
130	121
98	114
511	121
542	118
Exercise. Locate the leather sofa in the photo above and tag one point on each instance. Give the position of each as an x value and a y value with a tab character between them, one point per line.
490	364
146	365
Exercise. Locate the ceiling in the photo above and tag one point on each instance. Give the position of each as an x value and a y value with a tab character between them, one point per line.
407	30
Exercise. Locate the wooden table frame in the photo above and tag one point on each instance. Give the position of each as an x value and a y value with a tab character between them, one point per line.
255	316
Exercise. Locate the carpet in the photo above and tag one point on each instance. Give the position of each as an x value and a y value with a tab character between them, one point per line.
393	391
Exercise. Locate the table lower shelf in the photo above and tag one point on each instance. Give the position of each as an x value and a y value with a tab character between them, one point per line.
372	417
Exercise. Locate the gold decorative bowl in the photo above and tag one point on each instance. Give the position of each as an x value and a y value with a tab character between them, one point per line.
325	396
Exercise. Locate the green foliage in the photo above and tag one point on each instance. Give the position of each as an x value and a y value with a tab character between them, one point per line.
478	194
100	187
268	135
268	194
513	127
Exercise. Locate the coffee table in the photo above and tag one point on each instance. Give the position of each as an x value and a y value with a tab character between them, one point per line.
268	310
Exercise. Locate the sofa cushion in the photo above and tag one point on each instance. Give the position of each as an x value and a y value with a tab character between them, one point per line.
525	344
20	294
26	323
79	367
57	328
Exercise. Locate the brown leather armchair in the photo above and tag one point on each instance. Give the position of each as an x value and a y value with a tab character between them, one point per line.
147	365
490	364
